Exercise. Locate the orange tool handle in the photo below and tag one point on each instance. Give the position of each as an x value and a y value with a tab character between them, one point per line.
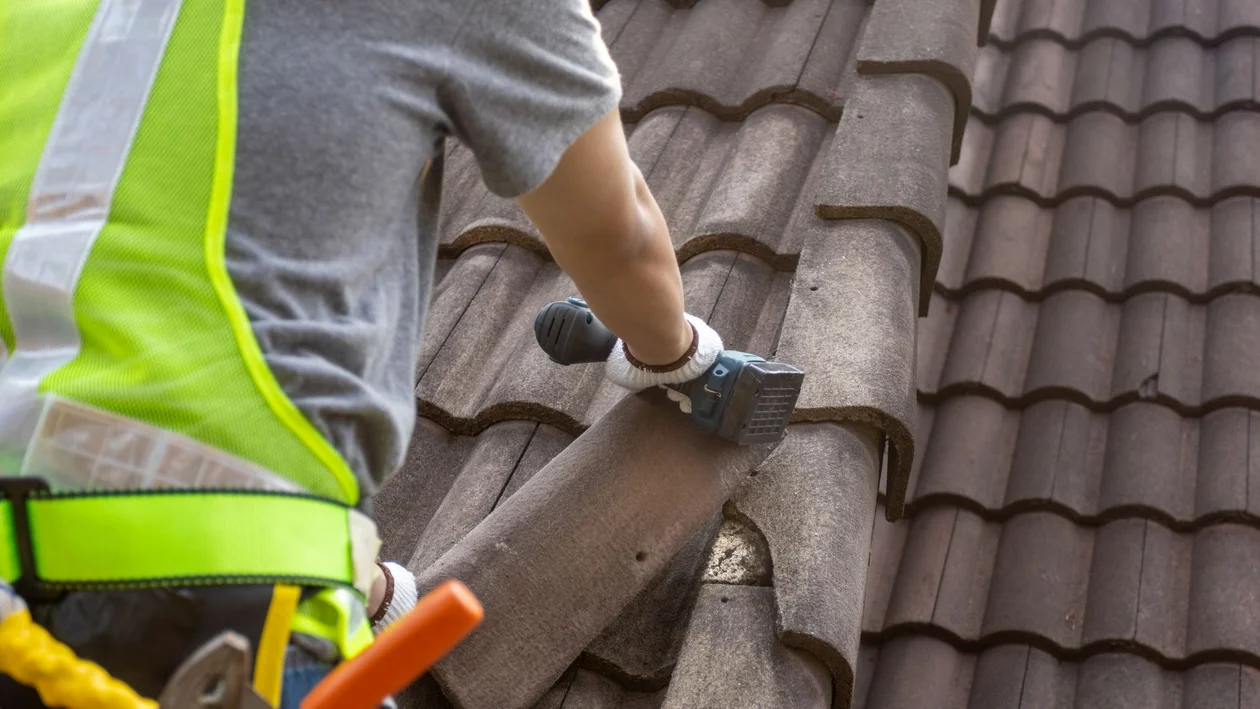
402	652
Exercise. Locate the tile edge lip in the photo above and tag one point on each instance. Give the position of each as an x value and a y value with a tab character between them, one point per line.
1061	653
1080	39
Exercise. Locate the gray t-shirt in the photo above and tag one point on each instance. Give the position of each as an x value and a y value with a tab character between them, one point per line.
332	230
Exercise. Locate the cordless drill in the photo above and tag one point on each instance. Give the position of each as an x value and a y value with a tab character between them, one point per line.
741	398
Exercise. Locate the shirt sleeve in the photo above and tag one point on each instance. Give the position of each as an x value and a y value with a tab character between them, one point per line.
524	80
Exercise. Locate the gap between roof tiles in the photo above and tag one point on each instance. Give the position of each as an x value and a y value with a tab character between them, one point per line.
1059	392
1142	513
1143	42
1127	200
1011	110
1149	287
739	555
696	246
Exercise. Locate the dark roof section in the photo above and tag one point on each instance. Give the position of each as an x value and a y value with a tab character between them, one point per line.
1081	530
808	240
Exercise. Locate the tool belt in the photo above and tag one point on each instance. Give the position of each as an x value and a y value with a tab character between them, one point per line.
142	636
51	542
136	581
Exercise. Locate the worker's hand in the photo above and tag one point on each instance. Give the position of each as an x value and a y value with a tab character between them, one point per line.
625	371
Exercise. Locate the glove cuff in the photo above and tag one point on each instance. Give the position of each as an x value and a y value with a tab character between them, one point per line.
630	374
400	598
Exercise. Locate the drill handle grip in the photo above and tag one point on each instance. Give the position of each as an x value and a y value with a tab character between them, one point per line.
570	333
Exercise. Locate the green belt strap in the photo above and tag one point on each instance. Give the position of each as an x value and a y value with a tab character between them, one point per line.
181	537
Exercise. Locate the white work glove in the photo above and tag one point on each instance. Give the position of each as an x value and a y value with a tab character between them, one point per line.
636	377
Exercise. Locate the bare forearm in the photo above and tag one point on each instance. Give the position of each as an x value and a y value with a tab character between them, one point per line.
634	287
605	230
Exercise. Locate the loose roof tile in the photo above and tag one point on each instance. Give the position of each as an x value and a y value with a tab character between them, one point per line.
1138	21
1173	73
813	501
732	657
935	39
450	483
627	523
640	647
732	56
1097	153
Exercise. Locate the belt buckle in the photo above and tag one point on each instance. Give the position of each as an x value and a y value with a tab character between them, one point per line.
18	489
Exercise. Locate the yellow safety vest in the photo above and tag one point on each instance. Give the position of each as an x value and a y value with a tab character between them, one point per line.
125	353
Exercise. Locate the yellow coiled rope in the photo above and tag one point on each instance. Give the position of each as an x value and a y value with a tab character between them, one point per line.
30	655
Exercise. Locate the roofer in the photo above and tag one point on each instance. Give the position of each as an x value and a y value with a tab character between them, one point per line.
218	232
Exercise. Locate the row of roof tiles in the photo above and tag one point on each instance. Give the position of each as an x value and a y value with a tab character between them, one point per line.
922	671
1114	75
1141	460
1140	21
1100	154
1151	347
731	56
1175	598
751	186
1088	243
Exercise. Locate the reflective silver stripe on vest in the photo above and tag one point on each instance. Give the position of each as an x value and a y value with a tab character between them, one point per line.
70	197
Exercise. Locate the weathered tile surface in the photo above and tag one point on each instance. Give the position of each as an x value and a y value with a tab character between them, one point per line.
1040	361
